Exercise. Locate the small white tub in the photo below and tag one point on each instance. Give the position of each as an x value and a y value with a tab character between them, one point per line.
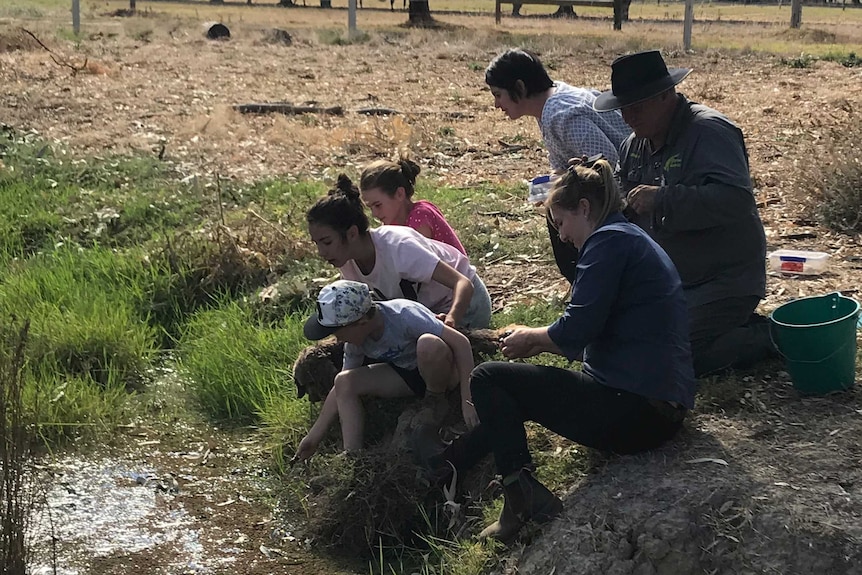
799	262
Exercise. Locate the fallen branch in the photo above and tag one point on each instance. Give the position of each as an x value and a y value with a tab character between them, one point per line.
508	148
287	108
57	60
377	111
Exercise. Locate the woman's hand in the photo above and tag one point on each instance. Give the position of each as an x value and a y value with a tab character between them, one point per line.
447	319
471	418
519	342
462	291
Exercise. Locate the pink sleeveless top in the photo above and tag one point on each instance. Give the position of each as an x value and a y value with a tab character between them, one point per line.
424	213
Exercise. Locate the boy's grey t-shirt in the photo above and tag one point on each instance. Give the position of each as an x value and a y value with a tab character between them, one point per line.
404	321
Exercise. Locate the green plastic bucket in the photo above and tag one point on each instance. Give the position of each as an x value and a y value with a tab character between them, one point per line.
817	338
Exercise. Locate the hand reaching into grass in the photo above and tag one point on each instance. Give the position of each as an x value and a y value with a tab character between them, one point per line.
307	448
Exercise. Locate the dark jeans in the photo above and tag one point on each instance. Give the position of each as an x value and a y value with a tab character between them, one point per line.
569	403
565	254
728	334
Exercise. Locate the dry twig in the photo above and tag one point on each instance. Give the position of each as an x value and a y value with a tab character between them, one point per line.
58	60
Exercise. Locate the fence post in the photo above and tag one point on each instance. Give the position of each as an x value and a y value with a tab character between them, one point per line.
795	13
76	17
689	21
351	18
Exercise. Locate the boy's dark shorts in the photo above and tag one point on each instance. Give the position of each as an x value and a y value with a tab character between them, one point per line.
412	378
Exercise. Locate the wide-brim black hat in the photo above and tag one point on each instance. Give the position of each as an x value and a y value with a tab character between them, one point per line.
638	77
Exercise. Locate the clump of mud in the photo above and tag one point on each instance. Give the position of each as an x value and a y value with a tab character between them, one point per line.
13	41
365	500
380	498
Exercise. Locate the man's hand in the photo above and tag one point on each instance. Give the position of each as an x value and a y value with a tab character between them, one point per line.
642	199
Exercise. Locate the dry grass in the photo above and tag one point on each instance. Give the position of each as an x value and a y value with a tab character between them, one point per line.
824	28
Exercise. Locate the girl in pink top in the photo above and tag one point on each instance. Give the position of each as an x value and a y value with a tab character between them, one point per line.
387	188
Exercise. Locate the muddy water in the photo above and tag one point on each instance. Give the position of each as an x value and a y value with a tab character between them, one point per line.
101	508
205	509
170	494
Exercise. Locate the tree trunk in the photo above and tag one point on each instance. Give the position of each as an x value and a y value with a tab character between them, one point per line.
132	6
625	13
419	14
565	12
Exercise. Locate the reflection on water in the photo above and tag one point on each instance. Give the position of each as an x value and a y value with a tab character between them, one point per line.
104	508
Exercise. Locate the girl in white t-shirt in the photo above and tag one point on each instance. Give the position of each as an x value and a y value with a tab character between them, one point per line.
397	261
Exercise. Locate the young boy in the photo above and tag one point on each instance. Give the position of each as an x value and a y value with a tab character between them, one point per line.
417	354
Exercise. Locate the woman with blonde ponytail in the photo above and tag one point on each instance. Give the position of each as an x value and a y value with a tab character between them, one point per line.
626	319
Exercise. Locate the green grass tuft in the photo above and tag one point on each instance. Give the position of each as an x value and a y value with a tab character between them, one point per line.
335	37
241	370
802	61
85	321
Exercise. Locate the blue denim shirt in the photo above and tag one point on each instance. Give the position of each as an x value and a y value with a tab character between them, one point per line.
628	316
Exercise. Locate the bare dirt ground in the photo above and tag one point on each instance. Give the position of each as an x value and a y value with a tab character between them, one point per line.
787	497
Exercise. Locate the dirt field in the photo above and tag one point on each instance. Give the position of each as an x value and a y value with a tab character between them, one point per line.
788	498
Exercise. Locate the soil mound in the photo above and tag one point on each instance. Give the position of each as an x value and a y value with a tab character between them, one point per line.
11	41
772	486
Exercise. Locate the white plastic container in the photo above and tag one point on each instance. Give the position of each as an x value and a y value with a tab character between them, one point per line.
799	262
540	187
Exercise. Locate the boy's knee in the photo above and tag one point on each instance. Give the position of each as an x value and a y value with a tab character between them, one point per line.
432	349
345	383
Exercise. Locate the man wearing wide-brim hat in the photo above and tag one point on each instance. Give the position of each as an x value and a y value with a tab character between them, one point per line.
685	174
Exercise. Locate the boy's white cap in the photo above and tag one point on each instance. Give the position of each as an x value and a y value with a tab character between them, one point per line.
338	304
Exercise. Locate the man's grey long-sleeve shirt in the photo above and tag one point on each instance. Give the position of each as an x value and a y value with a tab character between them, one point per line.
705	216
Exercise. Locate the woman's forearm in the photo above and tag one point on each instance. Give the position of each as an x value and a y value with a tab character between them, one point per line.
462	291
461	297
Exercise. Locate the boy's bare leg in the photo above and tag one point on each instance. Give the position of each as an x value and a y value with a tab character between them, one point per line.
378	380
436	364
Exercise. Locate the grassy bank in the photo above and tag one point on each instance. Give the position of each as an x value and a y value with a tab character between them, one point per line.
116	260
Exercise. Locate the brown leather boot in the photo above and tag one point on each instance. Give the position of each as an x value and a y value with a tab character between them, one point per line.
525	500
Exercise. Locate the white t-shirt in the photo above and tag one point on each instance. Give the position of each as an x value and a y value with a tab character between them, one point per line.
403	322
404	253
